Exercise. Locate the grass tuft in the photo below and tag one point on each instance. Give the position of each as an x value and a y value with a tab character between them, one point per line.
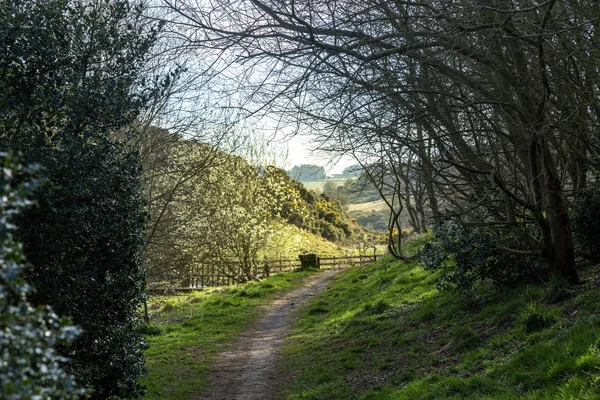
377	308
319	307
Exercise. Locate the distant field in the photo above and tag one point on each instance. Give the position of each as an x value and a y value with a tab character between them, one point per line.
317	186
372	205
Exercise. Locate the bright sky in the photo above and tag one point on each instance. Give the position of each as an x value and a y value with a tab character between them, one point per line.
300	150
296	149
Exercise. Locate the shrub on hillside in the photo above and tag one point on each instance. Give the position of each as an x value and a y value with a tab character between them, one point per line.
470	255
30	367
331	232
585	222
373	219
317	214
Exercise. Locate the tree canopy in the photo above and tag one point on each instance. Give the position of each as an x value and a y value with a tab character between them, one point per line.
494	103
214	208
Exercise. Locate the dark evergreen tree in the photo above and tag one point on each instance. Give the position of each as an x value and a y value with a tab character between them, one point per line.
73	76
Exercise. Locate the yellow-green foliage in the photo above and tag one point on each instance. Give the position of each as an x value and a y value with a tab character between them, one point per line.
225	208
290	241
308	210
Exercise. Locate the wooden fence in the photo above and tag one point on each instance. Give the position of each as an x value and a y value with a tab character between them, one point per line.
343	262
221	272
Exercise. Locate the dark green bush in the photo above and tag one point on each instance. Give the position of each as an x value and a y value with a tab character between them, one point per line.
377	220
30	367
469	255
331	232
84	241
585	222
73	77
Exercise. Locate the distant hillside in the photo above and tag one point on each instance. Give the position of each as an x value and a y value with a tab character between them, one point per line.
377	205
307	173
320	186
317	213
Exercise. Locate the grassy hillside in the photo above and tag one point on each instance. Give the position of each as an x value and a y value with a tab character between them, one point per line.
189	330
383	331
290	241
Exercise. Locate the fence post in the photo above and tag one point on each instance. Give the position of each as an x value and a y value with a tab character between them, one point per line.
266	272
374	253
202	275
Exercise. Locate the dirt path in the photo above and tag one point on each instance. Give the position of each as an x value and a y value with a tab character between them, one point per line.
246	371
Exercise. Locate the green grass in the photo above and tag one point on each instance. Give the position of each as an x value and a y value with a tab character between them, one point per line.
383	331
188	331
291	241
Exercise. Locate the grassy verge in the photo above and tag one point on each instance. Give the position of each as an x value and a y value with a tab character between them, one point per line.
189	330
383	331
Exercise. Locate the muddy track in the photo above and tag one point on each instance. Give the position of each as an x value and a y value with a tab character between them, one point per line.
246	371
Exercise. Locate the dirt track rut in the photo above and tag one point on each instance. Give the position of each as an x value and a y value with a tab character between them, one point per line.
246	371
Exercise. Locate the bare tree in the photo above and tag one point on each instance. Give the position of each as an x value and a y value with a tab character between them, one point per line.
504	95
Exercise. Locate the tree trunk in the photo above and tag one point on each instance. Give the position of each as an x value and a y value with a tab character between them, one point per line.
146	314
561	255
427	173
